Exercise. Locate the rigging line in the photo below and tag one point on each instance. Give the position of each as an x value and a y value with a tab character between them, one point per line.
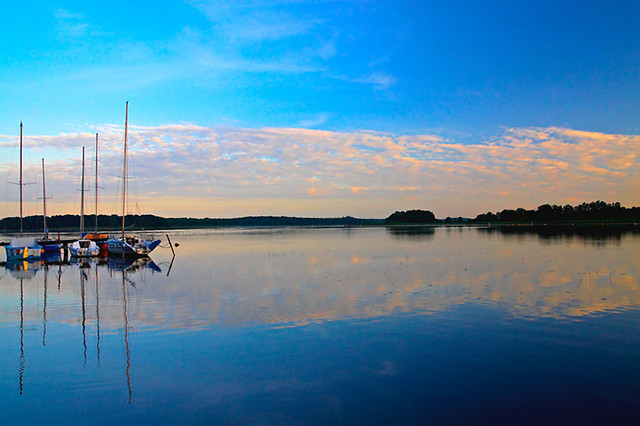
31	169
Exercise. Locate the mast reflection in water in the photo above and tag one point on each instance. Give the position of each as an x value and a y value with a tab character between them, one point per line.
294	325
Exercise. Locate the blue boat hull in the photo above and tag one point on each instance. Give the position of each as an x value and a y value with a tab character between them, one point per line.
23	253
131	247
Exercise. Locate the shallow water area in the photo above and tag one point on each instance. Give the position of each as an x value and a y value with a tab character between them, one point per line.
448	325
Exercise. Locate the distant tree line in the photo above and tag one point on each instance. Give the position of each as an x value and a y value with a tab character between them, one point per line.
593	211
114	222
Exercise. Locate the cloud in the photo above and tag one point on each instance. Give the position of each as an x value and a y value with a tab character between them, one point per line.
314	120
328	50
185	167
380	81
232	49
70	26
257	21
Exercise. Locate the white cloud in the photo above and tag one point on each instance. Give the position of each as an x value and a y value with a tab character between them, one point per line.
379	80
313	172
70	26
328	49
314	120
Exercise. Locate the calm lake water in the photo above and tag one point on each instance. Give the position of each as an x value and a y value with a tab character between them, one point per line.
324	326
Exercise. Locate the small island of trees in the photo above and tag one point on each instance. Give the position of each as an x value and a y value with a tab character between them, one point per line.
411	217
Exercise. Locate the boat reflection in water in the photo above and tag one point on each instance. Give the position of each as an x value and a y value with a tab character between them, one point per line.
21	271
51	257
24	269
71	308
130	264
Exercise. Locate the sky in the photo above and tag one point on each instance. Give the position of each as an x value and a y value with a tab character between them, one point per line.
321	108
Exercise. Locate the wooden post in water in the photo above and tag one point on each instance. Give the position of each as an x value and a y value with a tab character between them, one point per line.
170	245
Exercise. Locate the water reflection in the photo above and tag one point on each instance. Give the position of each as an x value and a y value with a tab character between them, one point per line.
131	265
224	329
412	232
327	275
71	305
22	358
294	277
24	269
291	276
587	234
83	277
97	285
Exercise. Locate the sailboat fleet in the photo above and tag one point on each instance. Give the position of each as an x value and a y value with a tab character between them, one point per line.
90	244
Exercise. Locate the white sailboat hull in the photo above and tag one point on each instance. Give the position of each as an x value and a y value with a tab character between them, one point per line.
131	246
84	248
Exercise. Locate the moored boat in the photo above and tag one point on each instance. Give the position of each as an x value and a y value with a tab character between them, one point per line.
23	248
129	245
48	244
95	236
84	248
100	240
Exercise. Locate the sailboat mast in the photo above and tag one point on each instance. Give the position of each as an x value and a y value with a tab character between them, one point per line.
96	228
124	180
20	183
44	204
82	196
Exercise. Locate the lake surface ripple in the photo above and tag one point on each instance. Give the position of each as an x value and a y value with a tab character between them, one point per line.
330	325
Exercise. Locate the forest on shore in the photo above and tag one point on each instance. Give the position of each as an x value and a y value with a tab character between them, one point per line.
114	222
595	211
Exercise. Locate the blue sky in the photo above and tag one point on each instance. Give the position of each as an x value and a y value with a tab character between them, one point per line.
464	73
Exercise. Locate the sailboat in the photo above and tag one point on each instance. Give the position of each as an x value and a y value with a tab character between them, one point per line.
99	239
83	247
48	245
129	245
22	248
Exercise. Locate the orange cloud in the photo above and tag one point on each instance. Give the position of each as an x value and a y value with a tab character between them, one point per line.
521	167
357	189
